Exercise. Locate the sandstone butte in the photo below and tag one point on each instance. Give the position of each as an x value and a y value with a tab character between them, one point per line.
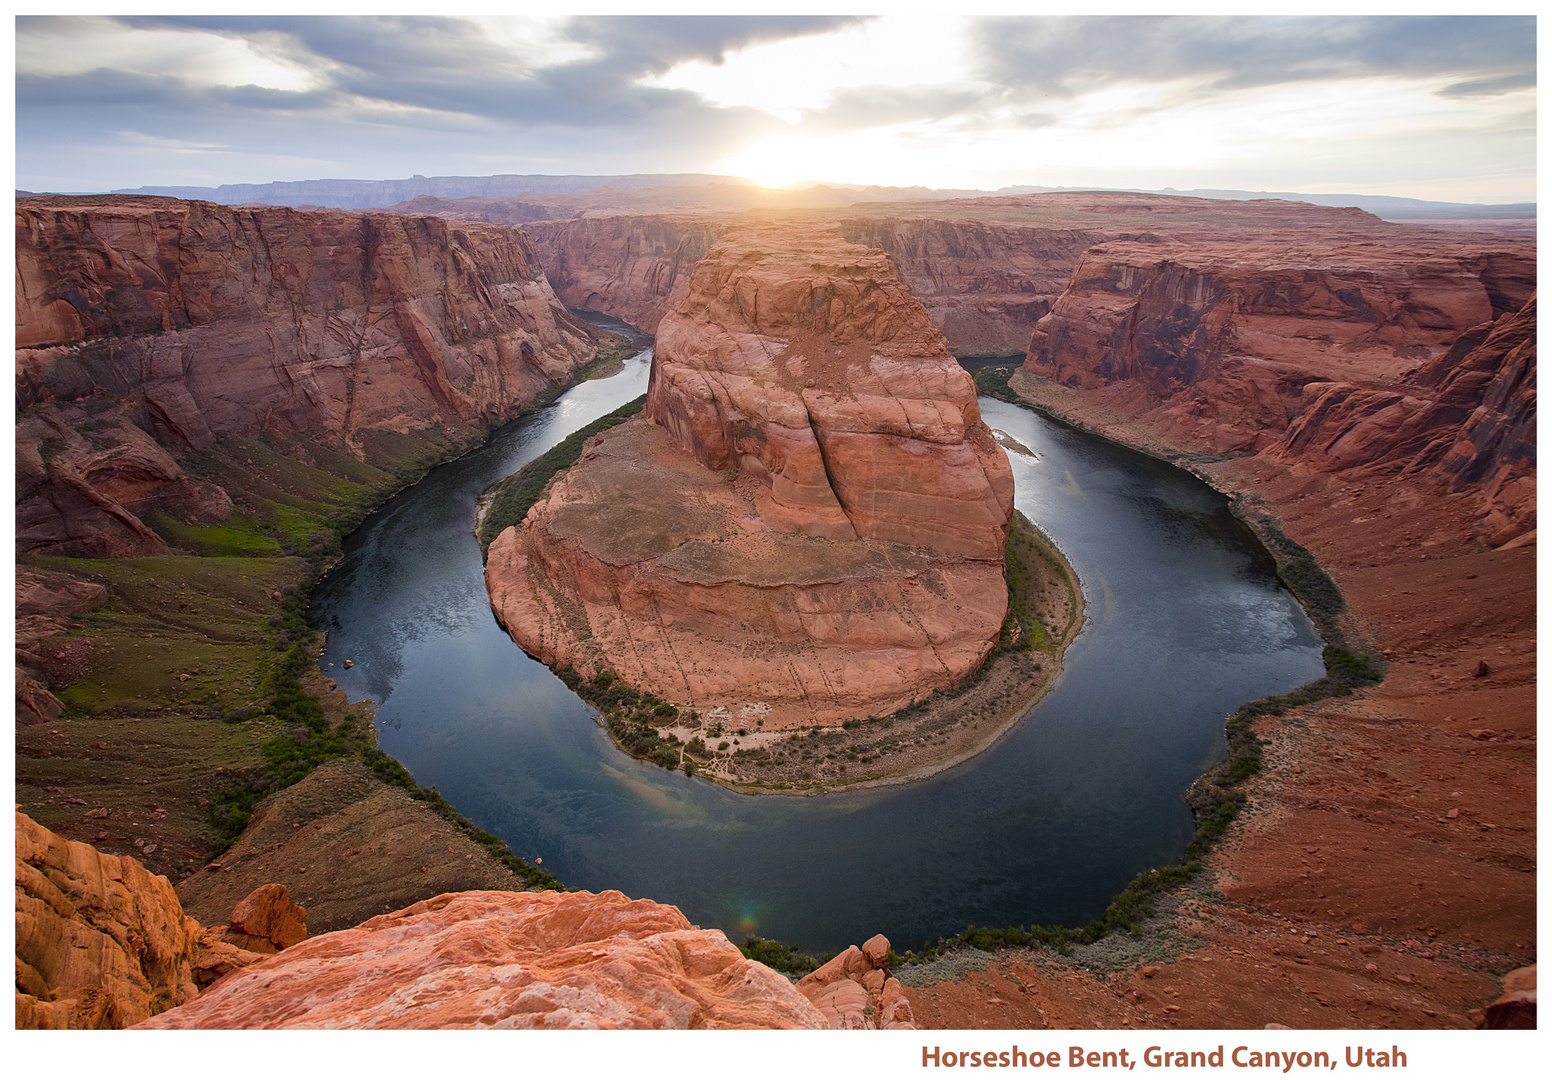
806	525
150	327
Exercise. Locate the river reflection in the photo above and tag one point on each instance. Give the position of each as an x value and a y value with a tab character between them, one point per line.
1185	621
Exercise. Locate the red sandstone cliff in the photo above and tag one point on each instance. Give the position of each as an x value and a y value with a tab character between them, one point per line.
146	327
807	524
988	269
984	283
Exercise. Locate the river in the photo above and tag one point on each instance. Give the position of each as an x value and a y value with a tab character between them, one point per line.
1185	621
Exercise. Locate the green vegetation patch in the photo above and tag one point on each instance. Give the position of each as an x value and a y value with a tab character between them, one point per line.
215	620
217	541
993	382
508	501
1024	630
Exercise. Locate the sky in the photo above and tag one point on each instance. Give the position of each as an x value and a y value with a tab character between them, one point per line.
1428	107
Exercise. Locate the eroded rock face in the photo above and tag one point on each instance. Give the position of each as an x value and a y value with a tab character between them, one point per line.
985	284
45	601
149	327
100	941
1214	341
809	520
1467	418
507	960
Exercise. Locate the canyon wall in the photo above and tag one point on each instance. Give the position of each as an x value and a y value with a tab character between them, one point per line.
147	328
1466	419
808	522
989	269
985	284
1212	343
634	268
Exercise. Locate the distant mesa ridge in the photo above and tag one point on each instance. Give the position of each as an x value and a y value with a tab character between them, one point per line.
378	194
374	194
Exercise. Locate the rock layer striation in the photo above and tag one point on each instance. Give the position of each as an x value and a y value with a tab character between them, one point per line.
807	525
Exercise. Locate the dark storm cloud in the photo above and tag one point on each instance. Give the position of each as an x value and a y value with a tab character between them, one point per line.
1061	58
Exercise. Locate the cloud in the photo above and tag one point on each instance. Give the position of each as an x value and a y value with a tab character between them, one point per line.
533	94
460	66
1064	58
883	106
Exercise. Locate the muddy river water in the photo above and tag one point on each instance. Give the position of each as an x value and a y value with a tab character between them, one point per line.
1185	621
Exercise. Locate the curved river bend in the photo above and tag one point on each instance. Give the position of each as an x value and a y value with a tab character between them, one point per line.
1185	622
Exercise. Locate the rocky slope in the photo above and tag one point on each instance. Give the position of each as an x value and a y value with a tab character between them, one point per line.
807	525
147	328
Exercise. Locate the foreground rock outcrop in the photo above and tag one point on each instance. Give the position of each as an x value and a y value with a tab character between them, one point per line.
100	942
103	943
507	960
808	523
147	328
855	992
